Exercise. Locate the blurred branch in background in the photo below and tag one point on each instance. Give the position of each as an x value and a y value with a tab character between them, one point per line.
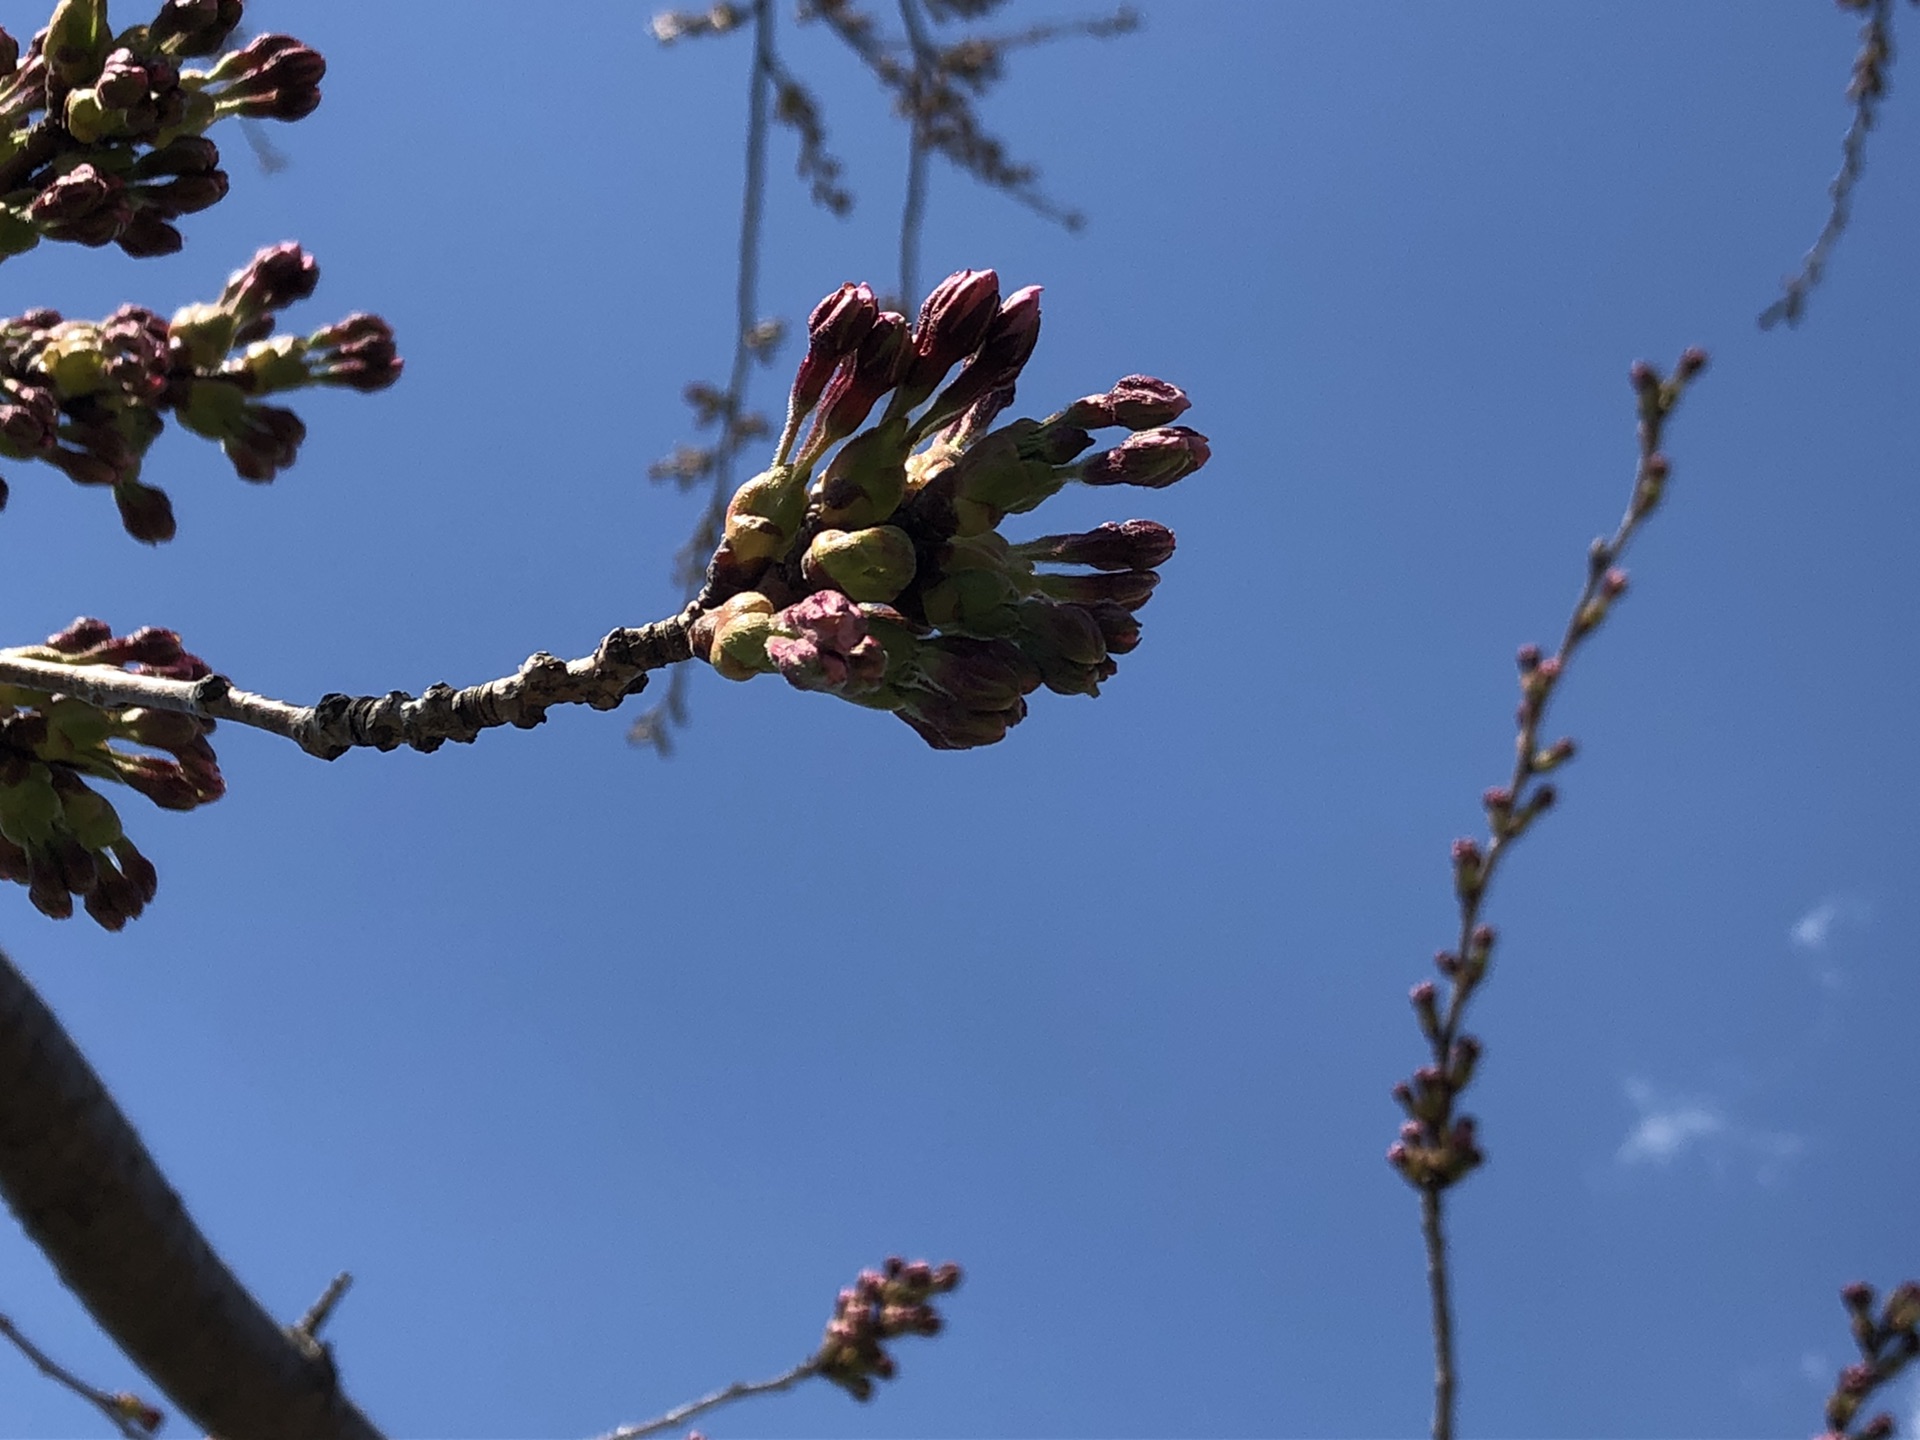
131	1416
1437	1147
1887	1346
934	88
1866	89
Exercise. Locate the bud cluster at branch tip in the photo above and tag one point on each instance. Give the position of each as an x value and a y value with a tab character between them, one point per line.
59	836
879	1306
1888	1342
876	571
90	397
102	132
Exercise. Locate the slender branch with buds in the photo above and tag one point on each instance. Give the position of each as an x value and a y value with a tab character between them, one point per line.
131	1416
1437	1147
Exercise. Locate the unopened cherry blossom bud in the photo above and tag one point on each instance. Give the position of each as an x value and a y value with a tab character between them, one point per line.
1139	402
145	512
1126	545
873	564
985	386
1127	588
1151	458
859	382
953	321
822	643
867	479
834	330
275	278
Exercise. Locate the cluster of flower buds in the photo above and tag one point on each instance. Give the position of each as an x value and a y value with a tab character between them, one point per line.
1888	1343
880	574
102	133
1438	1147
89	397
60	837
879	1306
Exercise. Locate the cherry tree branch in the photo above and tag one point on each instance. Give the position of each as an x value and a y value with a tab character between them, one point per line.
128	1414
88	1193
739	1390
335	724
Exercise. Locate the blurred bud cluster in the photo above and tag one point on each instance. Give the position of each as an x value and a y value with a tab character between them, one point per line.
880	1305
879	573
1888	1342
59	836
102	133
89	397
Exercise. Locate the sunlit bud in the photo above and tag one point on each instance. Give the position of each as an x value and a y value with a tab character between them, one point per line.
763	515
1553	756
273	77
1692	361
76	40
275	278
1126	545
1152	458
145	512
1138	402
190	28
357	352
822	643
835	329
989	376
861	379
873	564
1643	377
1528	659
953	320
1880	1427
85	205
1127	588
1614	584
867	479
739	630
29	418
1462	1060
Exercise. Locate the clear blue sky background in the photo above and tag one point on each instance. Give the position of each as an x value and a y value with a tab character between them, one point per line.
602	1073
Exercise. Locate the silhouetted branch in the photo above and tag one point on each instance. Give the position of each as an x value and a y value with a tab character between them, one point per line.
87	1193
335	724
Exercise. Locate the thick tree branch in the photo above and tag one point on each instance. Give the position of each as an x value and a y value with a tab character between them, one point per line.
338	723
90	1196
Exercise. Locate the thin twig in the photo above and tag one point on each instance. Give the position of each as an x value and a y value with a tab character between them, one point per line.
322	1309
913	211
114	1407
739	1390
338	723
652	725
1433	1230
1867	89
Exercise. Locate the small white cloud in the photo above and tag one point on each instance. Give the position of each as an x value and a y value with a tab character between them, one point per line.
1671	1126
1664	1130
1815	1369
1815	929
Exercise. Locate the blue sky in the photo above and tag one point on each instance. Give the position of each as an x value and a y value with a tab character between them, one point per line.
602	1073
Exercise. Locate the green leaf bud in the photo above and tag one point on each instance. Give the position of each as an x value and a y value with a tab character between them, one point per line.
874	564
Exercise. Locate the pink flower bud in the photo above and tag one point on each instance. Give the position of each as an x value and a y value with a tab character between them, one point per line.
1151	458
953	321
835	329
1138	402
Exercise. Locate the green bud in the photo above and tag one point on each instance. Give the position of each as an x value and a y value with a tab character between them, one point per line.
866	481
77	40
874	564
16	235
973	602
216	409
277	364
206	331
30	810
90	817
765	512
74	361
74	725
